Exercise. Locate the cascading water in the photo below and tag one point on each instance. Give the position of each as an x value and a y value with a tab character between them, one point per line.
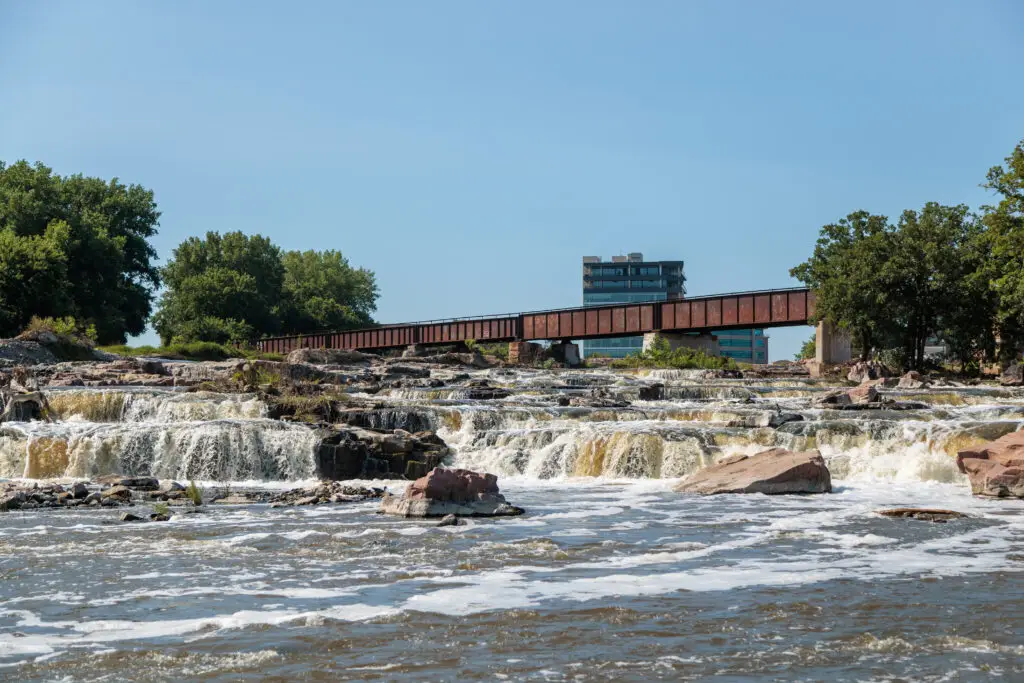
160	433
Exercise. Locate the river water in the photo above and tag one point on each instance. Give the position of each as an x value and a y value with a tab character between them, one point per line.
609	576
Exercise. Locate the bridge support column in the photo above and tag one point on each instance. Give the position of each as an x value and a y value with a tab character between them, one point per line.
522	352
708	343
831	346
566	352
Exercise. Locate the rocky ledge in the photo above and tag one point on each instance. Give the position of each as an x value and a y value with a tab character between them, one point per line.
774	471
996	468
444	492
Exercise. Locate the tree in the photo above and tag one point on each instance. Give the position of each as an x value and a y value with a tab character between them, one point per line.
843	272
75	246
323	292
234	288
929	277
1004	242
808	349
221	288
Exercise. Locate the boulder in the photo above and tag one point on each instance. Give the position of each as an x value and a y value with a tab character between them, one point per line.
913	380
79	490
1013	376
449	520
863	394
779	418
774	471
444	492
129	517
926	514
117	492
866	370
995	468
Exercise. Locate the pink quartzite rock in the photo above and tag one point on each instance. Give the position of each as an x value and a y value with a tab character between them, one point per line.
996	468
459	486
772	472
443	492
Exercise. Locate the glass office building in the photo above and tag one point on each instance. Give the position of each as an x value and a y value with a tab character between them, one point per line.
630	279
627	279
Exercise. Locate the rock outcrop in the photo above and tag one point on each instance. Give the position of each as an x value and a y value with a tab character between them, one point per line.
774	471
913	380
443	492
866	370
1013	376
355	453
995	468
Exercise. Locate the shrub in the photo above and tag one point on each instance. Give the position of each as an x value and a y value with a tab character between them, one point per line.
66	329
162	509
662	355
194	493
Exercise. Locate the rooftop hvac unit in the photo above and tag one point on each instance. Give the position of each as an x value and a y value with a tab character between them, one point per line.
619	259
591	259
636	257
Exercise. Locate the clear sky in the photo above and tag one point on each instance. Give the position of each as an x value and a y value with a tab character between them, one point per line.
471	152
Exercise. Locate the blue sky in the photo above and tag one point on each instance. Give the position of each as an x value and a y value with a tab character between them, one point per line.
471	152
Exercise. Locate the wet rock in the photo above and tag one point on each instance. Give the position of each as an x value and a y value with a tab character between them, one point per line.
652	392
325	492
356	453
79	490
1013	376
487	393
925	514
865	393
775	471
450	520
233	499
139	483
913	380
13	501
836	397
156	517
778	419
129	517
996	468
94	497
116	493
443	492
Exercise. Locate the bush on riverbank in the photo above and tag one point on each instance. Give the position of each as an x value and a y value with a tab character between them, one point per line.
662	355
192	351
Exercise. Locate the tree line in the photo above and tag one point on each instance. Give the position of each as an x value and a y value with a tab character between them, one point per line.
938	272
79	247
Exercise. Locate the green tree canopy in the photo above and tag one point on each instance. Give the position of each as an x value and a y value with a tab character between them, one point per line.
897	285
234	288
323	292
75	246
1003	240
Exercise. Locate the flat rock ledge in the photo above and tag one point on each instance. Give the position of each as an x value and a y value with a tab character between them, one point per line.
924	514
772	472
443	492
995	469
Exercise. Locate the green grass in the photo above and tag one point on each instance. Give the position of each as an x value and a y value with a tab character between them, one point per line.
162	509
194	493
192	351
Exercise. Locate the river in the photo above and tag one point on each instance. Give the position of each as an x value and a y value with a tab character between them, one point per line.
609	576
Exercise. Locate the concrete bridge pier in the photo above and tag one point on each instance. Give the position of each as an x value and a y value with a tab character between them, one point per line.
831	346
708	343
566	352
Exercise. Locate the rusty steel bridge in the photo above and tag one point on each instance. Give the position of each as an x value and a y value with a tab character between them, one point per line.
763	309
